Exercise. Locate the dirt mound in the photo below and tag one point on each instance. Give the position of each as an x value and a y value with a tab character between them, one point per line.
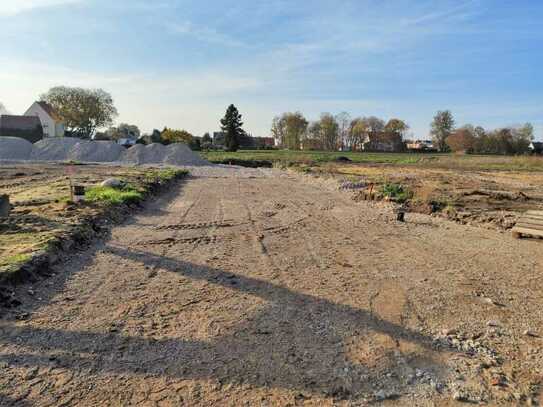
95	151
14	148
53	149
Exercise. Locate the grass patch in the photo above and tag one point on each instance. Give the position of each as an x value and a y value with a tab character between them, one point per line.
165	175
288	158
130	194
113	196
15	259
396	192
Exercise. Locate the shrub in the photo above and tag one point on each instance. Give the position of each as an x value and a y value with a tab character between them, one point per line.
396	192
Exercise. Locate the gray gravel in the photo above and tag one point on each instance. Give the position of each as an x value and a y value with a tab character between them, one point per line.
14	148
181	154
73	149
96	151
53	149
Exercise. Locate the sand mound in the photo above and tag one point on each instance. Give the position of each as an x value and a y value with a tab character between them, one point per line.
95	151
14	148
181	154
53	149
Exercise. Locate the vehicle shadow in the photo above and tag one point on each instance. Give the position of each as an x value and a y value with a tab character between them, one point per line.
295	341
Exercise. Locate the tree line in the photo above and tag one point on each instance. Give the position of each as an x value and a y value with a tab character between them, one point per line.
293	131
84	111
476	140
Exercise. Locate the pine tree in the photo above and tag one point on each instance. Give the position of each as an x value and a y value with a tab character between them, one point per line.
231	125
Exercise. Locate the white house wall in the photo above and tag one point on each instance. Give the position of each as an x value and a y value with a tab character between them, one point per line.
50	127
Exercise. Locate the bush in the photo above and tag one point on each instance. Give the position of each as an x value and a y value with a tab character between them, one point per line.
396	192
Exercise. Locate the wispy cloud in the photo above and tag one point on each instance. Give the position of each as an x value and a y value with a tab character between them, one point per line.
458	12
14	7
186	99
204	34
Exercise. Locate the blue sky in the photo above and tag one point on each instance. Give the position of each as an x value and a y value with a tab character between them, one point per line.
179	63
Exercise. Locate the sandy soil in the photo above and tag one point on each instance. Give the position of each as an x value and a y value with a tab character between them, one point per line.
490	198
272	291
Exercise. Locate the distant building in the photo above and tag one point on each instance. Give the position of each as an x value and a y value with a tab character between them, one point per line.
384	142
51	122
218	139
27	127
265	142
420	145
536	147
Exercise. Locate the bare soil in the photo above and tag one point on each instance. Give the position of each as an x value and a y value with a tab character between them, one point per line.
273	291
42	211
490	198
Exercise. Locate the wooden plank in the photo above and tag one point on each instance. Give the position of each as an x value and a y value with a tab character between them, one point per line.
536	213
525	231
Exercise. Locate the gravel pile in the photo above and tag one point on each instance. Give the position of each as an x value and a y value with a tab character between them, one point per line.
154	154
73	149
134	155
53	149
96	151
14	148
174	154
181	154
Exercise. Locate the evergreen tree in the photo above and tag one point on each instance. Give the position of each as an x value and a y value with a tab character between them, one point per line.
231	125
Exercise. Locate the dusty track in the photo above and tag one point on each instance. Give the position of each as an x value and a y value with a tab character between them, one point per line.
270	291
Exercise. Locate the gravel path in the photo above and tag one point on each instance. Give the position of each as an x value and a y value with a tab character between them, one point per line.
260	289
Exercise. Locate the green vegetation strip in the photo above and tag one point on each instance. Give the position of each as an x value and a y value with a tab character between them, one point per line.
287	158
107	197
113	196
129	194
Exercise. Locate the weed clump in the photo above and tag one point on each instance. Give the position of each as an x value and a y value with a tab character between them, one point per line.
114	196
396	192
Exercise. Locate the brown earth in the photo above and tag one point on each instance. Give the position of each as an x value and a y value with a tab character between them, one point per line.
42	211
489	198
273	291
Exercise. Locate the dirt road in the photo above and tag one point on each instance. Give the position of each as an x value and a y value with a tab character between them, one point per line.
272	291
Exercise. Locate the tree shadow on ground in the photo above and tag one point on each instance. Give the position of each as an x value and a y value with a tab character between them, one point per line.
294	341
7	401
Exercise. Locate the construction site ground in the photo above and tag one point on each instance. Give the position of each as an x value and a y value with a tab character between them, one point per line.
277	289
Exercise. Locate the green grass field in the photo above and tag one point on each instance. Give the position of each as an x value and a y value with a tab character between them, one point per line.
317	158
